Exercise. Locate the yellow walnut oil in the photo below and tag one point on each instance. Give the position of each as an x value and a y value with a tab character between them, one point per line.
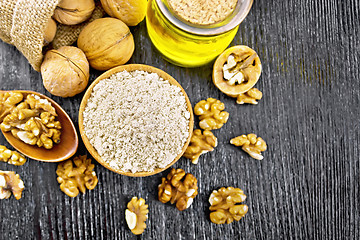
181	47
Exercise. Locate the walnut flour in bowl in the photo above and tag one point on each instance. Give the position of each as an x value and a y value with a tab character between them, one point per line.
136	121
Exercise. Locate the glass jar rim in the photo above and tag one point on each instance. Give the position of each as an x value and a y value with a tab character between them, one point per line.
241	10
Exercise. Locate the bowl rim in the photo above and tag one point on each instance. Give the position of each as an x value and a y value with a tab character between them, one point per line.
130	68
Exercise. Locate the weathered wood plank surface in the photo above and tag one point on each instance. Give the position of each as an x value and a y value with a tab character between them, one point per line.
307	186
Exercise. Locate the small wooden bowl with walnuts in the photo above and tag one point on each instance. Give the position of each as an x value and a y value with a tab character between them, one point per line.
136	146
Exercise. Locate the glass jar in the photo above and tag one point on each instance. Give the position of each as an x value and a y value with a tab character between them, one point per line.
191	45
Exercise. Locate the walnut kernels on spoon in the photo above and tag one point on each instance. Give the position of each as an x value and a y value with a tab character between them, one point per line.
236	70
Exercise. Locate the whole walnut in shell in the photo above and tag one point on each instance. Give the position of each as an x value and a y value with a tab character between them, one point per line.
50	31
106	42
130	12
70	12
65	71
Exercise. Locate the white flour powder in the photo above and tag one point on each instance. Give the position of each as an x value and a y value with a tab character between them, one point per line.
136	121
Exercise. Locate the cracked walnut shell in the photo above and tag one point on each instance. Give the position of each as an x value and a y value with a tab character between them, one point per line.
200	143
178	187
70	12
65	71
106	42
236	70
225	207
10	182
79	177
136	215
211	114
251	144
11	157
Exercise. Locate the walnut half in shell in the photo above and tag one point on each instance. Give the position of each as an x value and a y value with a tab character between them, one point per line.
236	70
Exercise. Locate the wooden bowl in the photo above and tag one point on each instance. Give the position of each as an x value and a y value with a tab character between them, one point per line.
130	68
68	140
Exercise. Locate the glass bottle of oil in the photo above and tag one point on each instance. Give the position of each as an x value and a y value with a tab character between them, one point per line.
190	45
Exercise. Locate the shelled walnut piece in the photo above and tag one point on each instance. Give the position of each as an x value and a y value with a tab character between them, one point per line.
251	144
211	114
8	101
225	207
79	177
136	215
178	187
200	143
33	122
10	182
250	96
236	70
11	157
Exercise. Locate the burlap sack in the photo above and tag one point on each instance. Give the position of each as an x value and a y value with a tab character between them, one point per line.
23	23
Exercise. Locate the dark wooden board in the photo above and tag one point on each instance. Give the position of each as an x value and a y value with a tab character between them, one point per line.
307	186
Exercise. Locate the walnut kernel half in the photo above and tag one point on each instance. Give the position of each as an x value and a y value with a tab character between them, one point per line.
11	157
225	207
136	215
200	143
10	182
79	177
250	96
251	144
211	114
8	101
178	187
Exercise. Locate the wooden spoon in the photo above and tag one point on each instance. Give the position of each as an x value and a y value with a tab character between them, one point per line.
68	140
